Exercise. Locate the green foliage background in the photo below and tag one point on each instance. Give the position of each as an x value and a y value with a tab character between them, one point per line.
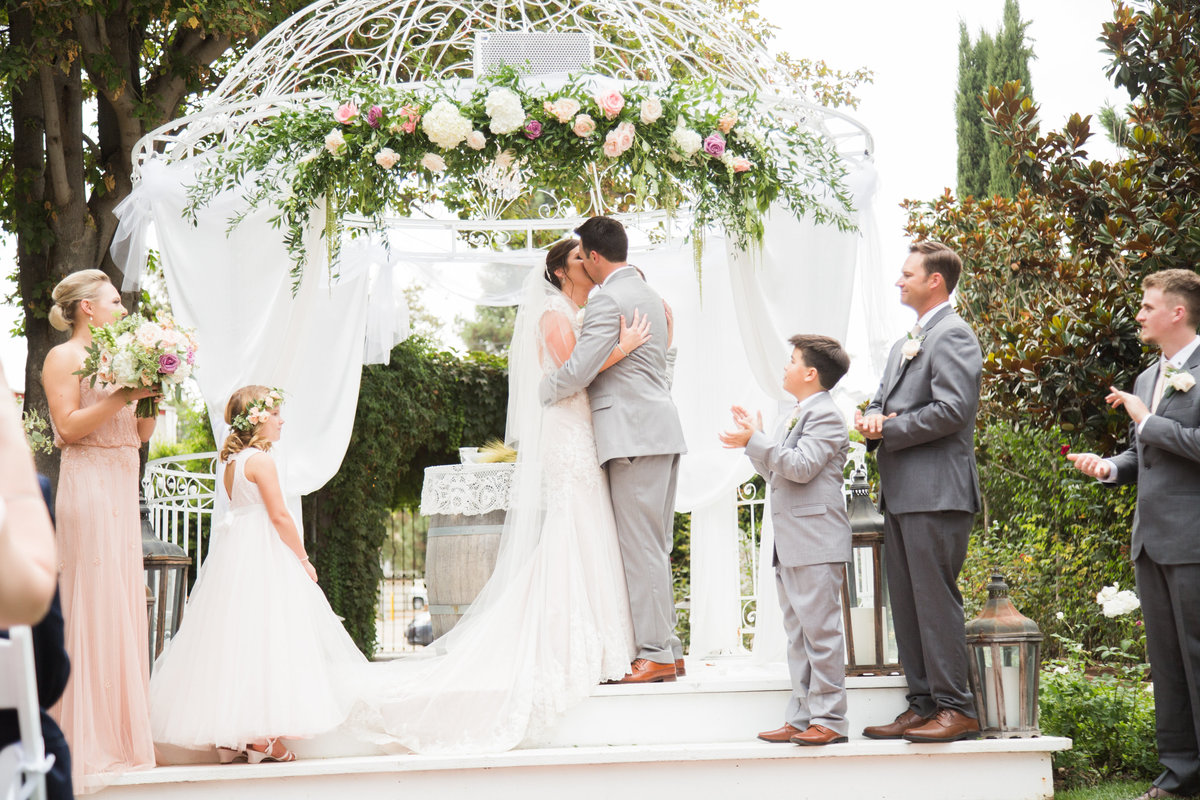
412	413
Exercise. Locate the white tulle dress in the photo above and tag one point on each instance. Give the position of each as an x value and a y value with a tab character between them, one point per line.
259	653
554	620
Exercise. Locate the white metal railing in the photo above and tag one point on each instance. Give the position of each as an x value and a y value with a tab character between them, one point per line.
751	502
180	491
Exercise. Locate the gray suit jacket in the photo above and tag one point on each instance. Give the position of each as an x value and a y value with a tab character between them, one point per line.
632	410
804	472
1164	460
927	454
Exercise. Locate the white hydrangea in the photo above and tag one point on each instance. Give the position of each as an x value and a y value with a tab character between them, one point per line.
687	141
445	125
125	368
504	109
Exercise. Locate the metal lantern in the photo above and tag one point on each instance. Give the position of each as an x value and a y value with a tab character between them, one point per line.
866	607
166	568
1004	662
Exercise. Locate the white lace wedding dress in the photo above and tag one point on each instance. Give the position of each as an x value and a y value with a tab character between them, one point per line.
553	622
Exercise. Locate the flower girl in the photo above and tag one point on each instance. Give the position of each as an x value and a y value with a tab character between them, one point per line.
260	655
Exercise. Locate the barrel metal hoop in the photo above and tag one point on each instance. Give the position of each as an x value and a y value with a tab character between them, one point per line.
464	530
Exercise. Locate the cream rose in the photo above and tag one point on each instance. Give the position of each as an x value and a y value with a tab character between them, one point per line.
584	126
612	148
335	143
1181	381
433	162
911	347
651	110
476	140
688	141
386	158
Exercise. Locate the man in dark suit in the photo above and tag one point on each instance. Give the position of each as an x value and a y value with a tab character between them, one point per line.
921	425
1163	458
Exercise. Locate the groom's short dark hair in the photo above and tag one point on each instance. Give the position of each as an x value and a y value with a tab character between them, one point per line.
606	236
1183	285
824	354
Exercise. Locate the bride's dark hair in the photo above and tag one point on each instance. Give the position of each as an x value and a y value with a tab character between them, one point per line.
556	259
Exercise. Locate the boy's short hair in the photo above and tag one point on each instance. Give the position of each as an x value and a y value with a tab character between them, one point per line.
824	354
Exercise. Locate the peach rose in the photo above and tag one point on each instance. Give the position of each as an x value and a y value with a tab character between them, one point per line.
726	122
386	158
612	147
584	126
741	164
433	162
610	103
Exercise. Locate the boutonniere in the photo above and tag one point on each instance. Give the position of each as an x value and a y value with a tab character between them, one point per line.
1178	380
912	346
792	422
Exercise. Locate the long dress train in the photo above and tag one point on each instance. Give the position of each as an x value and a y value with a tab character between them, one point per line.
103	711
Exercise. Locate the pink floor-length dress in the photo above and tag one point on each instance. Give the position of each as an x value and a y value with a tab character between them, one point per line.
104	711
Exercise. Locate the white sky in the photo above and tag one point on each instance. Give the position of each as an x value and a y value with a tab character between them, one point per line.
912	48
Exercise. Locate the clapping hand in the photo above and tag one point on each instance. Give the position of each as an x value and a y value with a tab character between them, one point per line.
746	427
871	427
1091	464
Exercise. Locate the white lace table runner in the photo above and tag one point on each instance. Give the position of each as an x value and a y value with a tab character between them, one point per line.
466	488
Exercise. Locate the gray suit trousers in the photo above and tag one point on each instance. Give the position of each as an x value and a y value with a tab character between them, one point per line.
810	597
643	492
925	552
1170	595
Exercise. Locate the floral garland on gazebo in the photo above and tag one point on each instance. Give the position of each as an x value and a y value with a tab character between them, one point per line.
365	149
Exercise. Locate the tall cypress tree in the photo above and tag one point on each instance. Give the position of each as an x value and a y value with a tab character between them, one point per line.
983	167
1009	62
973	162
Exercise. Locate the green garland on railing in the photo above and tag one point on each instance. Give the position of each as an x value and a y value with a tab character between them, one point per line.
364	149
412	413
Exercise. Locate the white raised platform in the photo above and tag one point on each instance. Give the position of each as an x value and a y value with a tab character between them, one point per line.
693	737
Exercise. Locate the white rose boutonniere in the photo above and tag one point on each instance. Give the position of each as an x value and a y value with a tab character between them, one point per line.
911	347
1179	380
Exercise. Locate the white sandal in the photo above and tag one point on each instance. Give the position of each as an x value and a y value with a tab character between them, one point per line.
256	756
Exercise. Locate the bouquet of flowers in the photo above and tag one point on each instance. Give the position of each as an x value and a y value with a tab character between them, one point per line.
134	353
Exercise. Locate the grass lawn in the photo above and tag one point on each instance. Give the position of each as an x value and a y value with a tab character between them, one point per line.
1116	790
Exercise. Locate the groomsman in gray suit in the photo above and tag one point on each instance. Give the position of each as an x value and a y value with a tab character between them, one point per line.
803	465
1164	460
921	425
638	438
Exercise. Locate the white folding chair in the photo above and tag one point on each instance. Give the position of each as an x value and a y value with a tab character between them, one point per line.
23	765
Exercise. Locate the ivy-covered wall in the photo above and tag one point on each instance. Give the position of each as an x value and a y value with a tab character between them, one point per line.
412	413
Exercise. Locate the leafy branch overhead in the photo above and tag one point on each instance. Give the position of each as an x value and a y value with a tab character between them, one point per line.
367	150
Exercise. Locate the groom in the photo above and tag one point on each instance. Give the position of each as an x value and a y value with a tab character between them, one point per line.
638	438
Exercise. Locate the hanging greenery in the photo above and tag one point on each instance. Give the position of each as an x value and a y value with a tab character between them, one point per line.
363	149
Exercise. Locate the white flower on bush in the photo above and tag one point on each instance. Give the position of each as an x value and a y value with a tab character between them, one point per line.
1061	669
445	125
386	158
476	140
335	142
1115	601
687	141
433	162
1060	615
651	110
504	109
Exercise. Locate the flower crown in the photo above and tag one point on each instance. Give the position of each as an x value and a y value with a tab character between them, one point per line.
257	411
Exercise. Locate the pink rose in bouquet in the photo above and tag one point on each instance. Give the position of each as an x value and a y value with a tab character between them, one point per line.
584	126
714	145
346	112
374	116
533	129
610	102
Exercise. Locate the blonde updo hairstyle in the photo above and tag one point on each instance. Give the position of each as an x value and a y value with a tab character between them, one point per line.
81	285
239	440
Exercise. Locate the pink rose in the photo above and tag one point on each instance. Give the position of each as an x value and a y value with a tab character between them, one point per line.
374	116
533	129
191	355
610	103
346	112
411	117
612	148
625	133
386	158
727	121
548	107
741	164
714	145
168	363
584	126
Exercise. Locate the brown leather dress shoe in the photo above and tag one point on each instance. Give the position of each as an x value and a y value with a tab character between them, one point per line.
1154	792
645	671
680	669
896	728
780	735
816	735
946	725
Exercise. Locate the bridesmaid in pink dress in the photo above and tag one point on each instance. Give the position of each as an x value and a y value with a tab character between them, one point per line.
104	711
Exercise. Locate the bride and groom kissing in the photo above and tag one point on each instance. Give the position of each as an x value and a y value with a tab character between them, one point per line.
637	433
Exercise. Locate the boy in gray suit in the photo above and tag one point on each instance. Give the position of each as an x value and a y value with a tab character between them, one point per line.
803	465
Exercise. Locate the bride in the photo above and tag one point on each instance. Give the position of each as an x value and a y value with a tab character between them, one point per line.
553	621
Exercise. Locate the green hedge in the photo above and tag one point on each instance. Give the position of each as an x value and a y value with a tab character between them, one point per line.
412	413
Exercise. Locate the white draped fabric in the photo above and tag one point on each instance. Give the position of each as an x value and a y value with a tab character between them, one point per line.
731	334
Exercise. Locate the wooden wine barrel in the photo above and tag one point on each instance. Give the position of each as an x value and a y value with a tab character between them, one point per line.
460	554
